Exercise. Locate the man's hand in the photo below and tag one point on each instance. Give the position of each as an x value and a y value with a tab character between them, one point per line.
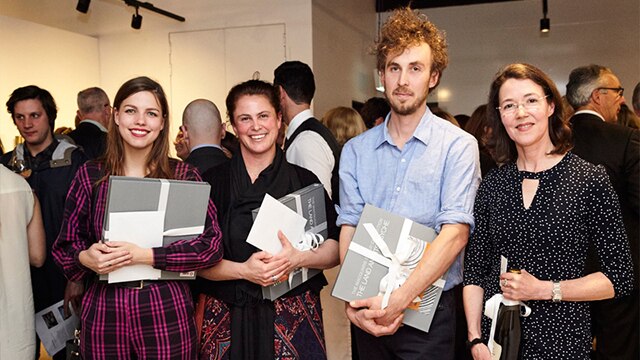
73	293
366	314
393	310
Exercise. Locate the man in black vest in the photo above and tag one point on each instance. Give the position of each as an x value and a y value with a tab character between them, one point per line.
308	143
596	94
311	145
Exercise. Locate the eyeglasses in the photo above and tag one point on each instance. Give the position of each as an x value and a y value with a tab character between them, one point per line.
530	103
619	90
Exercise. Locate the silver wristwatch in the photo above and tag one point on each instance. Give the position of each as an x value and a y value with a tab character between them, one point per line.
556	292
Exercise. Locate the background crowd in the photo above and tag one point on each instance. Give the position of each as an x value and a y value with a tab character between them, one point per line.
549	182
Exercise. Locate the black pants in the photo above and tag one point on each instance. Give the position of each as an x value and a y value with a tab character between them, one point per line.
410	343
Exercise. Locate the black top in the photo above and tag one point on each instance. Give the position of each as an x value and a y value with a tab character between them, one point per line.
205	158
90	138
574	207
252	318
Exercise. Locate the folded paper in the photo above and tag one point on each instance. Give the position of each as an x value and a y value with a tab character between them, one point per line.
307	203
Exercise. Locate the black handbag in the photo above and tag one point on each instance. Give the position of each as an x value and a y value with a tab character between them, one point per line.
73	346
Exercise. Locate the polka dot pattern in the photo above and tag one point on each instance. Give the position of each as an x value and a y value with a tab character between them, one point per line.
574	206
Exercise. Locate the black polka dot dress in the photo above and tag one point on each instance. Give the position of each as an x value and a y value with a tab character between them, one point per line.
574	206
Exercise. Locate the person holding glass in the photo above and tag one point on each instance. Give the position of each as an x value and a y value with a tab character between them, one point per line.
139	319
237	323
542	209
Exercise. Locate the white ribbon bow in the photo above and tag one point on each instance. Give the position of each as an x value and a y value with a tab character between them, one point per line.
399	271
308	241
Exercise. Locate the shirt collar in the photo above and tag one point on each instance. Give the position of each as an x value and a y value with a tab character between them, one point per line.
205	145
298	120
100	126
421	133
43	156
589	112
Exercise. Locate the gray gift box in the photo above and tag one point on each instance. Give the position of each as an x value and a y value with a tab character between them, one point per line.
186	207
308	202
360	275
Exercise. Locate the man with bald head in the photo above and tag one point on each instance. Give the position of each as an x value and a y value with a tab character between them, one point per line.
203	132
596	94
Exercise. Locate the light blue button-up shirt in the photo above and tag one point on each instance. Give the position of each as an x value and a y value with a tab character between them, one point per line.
432	180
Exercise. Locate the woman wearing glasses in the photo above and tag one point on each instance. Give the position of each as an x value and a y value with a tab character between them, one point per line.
542	209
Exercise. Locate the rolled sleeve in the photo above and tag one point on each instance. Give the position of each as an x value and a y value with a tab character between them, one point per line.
461	179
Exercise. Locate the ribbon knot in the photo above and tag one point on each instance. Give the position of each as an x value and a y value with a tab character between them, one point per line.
399	263
308	241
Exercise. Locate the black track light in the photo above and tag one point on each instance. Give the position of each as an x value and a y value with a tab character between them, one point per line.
136	20
83	6
545	23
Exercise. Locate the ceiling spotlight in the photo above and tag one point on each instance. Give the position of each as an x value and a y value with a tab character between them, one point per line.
545	23
83	6
136	20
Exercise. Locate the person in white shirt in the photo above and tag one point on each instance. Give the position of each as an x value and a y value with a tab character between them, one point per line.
308	143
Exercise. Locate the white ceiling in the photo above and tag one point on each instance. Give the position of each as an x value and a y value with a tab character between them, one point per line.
106	17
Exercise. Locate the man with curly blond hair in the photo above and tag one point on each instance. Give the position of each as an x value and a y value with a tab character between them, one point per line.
419	166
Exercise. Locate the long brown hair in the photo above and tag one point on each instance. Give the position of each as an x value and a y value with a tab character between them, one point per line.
502	148
158	159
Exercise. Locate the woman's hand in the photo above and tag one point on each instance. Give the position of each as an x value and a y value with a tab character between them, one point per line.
263	270
524	286
288	252
143	256
103	258
480	352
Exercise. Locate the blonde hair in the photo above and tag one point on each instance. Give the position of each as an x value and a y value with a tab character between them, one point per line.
344	123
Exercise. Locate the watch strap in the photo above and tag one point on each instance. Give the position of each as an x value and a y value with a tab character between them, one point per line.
472	343
556	292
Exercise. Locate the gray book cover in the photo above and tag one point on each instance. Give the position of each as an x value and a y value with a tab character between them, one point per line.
186	206
360	276
308	202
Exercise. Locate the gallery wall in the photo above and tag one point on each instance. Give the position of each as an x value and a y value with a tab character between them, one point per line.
483	38
59	61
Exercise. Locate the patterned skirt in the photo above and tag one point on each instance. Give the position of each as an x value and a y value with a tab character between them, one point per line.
298	329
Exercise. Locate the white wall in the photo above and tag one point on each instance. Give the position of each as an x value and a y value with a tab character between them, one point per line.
59	61
483	38
343	32
124	56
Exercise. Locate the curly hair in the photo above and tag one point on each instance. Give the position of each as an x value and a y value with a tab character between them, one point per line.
406	28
